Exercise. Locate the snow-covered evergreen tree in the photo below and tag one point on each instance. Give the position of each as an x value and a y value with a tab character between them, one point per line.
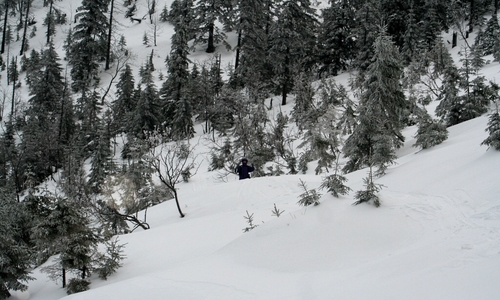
15	253
380	112
337	43
177	105
493	129
430	132
208	14
292	42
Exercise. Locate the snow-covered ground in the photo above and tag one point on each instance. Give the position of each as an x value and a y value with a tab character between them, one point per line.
435	236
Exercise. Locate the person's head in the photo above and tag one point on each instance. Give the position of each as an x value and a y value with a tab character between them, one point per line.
244	160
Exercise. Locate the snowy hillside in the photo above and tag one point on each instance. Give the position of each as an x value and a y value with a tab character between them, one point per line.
436	235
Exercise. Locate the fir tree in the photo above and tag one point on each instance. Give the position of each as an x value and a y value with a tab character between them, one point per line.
208	13
89	42
485	40
493	129
146	115
292	42
125	102
308	197
174	90
250	67
380	111
336	39
101	162
430	132
15	254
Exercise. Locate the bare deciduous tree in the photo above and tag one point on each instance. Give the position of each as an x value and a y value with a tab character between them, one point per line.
173	162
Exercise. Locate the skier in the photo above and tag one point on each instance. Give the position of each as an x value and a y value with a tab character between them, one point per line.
244	169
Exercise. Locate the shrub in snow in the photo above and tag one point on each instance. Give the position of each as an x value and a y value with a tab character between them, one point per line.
430	132
77	285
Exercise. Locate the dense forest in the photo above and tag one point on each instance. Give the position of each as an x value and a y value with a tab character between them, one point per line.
65	124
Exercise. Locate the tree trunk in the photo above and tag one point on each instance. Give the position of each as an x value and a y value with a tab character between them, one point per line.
4	28
63	277
496	7
49	22
472	15
108	52
286	77
238	46
23	41
14	81
177	202
211	47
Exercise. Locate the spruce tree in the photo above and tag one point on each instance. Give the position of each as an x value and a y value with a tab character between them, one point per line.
337	44
493	129
147	113
430	132
252	42
208	14
42	133
15	253
485	40
89	42
292	42
380	112
174	94
125	102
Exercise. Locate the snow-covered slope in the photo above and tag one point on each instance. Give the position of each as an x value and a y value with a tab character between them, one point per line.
436	235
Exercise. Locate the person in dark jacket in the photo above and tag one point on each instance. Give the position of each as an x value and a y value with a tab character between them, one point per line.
244	169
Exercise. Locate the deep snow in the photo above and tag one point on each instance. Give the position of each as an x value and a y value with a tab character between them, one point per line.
436	235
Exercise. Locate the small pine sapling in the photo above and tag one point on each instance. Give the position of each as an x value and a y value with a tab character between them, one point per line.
276	211
335	183
308	197
370	193
108	263
251	225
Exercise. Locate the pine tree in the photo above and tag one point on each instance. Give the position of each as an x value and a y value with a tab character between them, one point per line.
380	112
42	133
89	42
252	42
304	111
336	38
292	42
125	102
15	254
485	40
493	129
368	19
146	115
308	197
101	161
430	132
66	230
208	13
174	90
